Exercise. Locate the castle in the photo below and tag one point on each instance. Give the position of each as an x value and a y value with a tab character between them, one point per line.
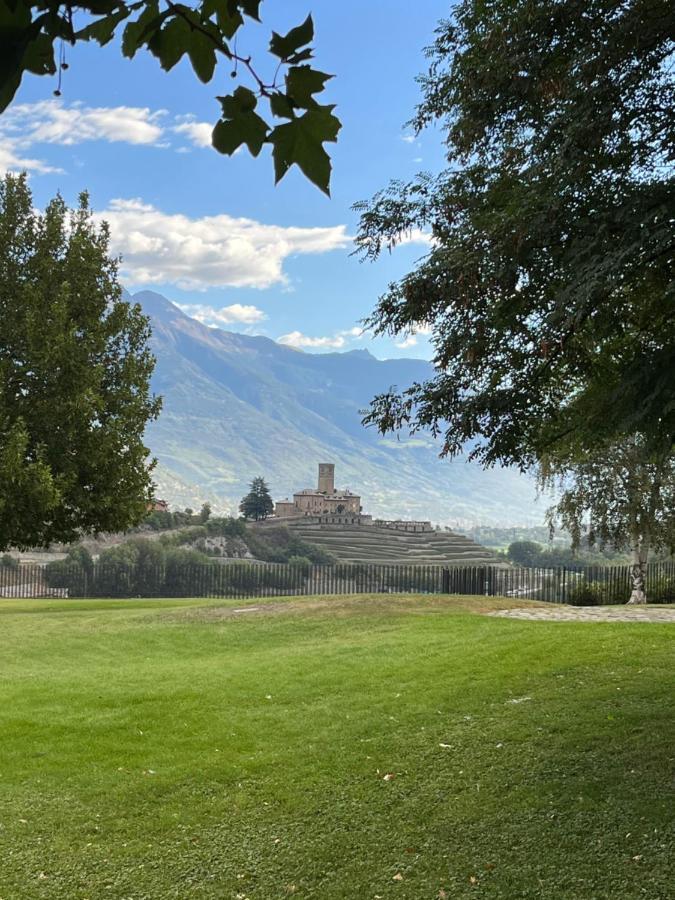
323	501
326	505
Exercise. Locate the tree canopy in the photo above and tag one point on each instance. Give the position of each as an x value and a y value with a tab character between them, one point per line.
75	371
206	32
258	503
622	496
548	289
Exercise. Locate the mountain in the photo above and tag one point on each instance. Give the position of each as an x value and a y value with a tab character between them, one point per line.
237	406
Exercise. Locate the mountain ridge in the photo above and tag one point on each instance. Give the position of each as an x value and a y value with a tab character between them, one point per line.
237	406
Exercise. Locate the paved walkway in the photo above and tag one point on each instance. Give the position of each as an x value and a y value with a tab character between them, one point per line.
590	614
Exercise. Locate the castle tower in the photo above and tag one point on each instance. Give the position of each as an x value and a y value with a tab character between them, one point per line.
326	478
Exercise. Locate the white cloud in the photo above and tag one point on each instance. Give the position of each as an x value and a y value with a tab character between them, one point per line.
199	133
226	315
410	341
301	341
52	122
12	160
415	236
212	251
408	138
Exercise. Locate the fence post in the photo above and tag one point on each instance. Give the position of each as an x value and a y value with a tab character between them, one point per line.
445	581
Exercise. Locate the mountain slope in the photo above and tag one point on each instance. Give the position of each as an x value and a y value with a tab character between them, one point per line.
237	406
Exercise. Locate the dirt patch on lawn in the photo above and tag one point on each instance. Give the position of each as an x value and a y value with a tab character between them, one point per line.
349	605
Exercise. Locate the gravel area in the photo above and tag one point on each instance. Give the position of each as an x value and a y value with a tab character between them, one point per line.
590	614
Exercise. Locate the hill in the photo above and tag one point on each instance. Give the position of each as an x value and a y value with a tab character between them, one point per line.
237	406
375	544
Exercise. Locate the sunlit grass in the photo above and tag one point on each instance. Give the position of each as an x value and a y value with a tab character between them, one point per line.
392	747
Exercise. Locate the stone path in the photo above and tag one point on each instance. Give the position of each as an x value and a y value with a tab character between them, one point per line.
590	614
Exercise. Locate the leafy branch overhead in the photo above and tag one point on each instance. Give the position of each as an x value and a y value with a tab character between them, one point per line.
34	32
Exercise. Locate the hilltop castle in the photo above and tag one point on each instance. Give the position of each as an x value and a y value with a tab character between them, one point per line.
325	505
323	501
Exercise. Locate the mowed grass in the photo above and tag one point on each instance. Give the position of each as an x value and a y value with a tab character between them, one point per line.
366	747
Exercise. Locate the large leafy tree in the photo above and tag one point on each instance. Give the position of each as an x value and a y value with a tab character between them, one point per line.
548	288
33	34
258	503
74	378
622	496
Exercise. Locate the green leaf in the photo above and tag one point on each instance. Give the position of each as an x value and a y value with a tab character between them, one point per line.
39	56
302	82
250	8
300	142
136	31
227	15
281	106
285	46
202	55
102	30
240	124
170	43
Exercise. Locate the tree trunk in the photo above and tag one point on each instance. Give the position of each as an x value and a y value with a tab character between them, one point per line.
638	574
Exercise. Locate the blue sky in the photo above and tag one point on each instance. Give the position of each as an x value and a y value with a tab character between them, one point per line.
211	232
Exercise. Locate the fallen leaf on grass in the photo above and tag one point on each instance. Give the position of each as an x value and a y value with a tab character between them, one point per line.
397	877
473	879
389	776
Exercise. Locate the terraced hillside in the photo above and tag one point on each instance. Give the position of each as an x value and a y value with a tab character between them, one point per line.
372	543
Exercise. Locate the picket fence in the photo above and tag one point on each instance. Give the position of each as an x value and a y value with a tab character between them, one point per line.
581	586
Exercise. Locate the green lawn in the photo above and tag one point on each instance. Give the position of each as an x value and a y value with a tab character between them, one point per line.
180	749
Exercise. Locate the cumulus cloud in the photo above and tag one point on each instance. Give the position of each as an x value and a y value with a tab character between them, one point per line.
415	236
335	342
236	313
53	122
199	133
410	341
301	341
212	251
12	159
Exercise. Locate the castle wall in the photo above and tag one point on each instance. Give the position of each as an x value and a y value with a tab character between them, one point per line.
285	508
400	525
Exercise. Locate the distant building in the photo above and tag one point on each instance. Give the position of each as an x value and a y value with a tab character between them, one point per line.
158	506
324	500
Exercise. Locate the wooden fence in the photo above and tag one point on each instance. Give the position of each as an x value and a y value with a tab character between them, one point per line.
580	586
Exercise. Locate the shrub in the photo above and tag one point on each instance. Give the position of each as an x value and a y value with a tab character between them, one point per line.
592	593
9	562
301	564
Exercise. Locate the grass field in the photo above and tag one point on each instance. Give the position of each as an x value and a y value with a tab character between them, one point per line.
368	747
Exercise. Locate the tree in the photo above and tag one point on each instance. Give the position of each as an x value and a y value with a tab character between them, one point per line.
75	373
257	504
548	289
623	497
525	553
205	513
206	33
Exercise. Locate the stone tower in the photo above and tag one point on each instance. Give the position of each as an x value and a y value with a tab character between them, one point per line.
326	478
